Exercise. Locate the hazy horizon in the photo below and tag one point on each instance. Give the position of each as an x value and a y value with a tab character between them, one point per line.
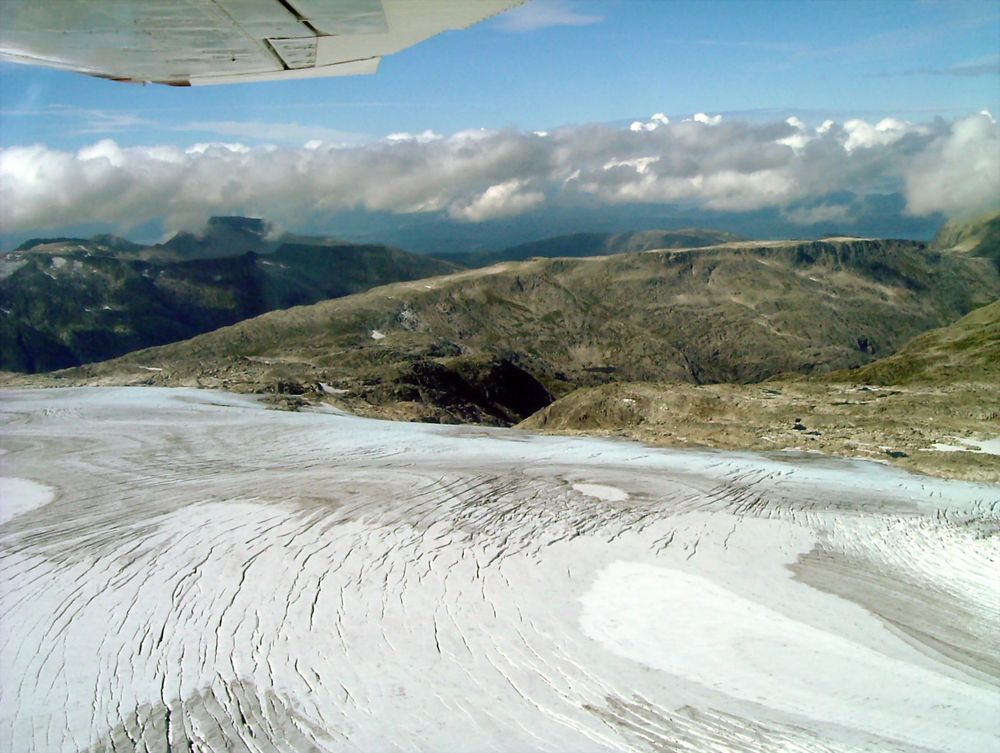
773	117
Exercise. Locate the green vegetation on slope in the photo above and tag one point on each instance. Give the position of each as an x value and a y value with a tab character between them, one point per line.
966	351
977	237
67	303
945	390
738	312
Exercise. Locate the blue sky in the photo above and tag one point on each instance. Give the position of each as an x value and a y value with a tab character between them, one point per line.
820	114
558	63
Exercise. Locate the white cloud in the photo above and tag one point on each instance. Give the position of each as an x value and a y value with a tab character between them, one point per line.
798	140
85	120
959	172
477	175
502	200
543	14
655	122
106	150
824	213
863	135
984	66
257	130
420	138
203	147
700	117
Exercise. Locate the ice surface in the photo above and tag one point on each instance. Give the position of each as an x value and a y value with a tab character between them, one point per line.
209	575
606	493
18	495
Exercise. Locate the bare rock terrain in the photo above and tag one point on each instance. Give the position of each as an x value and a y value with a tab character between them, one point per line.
739	312
68	301
951	431
933	407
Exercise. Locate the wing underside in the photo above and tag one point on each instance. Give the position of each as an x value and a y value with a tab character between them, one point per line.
193	42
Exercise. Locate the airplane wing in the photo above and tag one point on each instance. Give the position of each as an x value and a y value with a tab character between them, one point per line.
193	42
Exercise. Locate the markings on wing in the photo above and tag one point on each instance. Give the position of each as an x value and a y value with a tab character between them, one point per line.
194	42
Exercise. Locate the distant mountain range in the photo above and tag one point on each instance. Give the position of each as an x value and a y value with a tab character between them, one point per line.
448	349
730	343
436	233
69	301
596	244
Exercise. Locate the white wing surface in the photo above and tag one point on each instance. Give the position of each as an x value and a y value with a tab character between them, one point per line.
193	42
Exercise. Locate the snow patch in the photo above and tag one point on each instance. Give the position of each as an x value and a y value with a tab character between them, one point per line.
981	446
602	492
688	626
21	495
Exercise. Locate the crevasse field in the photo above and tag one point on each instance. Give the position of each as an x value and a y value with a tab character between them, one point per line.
188	571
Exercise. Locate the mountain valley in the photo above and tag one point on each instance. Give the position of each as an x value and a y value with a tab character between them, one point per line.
933	407
499	376
70	301
739	344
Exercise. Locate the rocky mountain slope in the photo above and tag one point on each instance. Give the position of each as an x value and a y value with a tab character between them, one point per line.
100	305
67	301
740	312
977	237
932	407
221	237
596	244
966	351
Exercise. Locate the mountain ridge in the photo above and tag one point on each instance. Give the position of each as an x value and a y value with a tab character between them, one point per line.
738	312
596	244
932	407
979	236
81	303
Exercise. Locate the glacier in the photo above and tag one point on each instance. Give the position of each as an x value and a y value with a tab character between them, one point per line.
187	570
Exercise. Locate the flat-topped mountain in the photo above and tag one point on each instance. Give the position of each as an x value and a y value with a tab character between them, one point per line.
596	244
736	312
225	236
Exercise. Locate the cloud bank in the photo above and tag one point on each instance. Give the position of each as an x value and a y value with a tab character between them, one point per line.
473	176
